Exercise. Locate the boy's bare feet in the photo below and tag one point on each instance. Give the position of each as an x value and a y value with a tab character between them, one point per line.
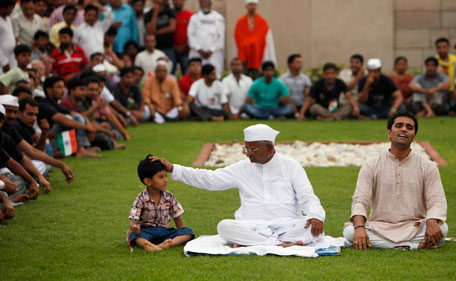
235	245
94	148
82	152
21	198
151	248
289	244
166	244
121	146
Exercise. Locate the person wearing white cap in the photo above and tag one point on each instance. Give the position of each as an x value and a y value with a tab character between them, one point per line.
378	95
13	165
161	93
40	159
253	41
274	192
206	36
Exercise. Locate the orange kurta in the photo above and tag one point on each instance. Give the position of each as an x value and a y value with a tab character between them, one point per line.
251	44
163	96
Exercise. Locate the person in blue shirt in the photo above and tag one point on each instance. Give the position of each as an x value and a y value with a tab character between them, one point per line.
268	97
128	30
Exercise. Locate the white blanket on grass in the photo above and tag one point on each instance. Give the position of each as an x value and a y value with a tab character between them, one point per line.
214	245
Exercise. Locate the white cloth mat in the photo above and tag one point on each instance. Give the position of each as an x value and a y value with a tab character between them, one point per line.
214	245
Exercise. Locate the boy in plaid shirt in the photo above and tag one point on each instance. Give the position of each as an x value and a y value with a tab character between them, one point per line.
152	209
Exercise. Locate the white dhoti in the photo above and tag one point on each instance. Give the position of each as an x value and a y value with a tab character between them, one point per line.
254	233
380	242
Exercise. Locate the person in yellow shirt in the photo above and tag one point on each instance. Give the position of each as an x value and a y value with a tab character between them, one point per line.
69	14
447	61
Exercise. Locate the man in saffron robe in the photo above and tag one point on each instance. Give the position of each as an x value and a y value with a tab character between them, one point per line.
253	40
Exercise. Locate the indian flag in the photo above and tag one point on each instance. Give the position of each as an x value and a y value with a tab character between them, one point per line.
67	143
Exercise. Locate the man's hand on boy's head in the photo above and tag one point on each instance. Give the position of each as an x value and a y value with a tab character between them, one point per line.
135	227
169	167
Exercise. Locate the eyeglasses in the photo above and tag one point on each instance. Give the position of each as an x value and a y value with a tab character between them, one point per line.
246	150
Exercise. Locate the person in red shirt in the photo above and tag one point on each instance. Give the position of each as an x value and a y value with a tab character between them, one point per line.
194	73
69	59
180	35
402	79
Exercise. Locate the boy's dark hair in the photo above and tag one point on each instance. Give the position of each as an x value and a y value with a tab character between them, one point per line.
70	7
131	43
90	7
23	103
292	57
22	81
91	79
194	60
66	30
329	65
442	39
96	54
27	1
74	83
126	70
134	1
400	58
267	64
358	57
39	34
207	69
22	48
148	168
399	114
50	82
21	89
112	31
433	59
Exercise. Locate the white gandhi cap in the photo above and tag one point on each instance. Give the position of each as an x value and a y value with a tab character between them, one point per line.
373	64
251	1
9	100
99	68
260	132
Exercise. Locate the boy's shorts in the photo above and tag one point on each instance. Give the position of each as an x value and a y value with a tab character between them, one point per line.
158	234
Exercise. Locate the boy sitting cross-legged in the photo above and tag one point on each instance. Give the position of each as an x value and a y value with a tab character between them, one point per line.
152	209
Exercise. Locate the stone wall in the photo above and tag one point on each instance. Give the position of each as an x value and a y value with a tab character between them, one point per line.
332	30
418	23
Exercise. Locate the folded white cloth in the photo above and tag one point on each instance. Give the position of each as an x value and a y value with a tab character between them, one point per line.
214	245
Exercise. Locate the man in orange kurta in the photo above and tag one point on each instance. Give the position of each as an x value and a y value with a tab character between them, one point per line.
161	92
253	40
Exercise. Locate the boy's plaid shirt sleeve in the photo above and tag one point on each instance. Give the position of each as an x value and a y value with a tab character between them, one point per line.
137	207
175	209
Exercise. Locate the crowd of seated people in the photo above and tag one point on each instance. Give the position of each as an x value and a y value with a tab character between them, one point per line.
74	74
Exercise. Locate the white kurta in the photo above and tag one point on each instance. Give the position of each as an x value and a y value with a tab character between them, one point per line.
273	194
207	32
7	43
90	37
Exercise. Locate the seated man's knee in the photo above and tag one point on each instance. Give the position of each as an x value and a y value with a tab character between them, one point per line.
225	227
349	231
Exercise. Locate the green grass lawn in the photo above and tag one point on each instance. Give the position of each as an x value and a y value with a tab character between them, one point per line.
78	231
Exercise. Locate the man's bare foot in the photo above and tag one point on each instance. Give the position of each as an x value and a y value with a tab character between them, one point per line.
289	244
94	148
217	118
421	113
330	118
152	248
364	117
121	146
166	244
21	198
235	245
82	152
427	245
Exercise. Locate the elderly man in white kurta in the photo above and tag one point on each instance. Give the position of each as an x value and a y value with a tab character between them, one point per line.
274	192
405	192
206	36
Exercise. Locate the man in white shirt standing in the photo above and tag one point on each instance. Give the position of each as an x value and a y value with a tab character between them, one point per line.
147	59
274	192
206	36
207	97
26	23
90	34
237	86
7	39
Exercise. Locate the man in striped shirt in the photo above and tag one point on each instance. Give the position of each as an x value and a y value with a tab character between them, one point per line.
69	59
